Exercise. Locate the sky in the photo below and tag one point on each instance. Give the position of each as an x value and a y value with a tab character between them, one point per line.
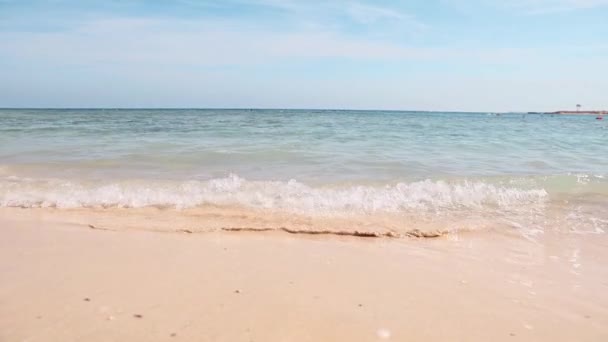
460	55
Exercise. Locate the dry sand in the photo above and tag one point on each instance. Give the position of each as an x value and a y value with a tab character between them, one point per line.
63	281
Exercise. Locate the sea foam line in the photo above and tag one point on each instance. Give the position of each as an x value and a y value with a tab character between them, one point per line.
291	195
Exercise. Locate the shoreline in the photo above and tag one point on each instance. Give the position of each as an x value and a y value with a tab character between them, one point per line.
570	113
218	219
70	282
590	112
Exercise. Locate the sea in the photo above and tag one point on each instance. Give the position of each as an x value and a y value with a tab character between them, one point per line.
392	170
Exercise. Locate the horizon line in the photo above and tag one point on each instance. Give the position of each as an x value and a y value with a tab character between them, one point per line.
260	108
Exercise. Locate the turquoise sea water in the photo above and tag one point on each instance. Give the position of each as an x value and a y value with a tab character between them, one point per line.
318	162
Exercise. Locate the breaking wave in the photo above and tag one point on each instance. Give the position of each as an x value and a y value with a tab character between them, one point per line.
291	196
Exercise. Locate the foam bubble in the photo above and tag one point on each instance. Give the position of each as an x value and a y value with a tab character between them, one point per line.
291	196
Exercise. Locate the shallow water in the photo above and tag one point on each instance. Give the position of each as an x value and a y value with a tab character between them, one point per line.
526	172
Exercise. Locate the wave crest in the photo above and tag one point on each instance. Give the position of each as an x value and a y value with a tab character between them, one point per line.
290	196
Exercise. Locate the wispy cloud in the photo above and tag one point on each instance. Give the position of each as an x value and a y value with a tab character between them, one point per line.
552	6
213	33
331	13
361	17
156	42
348	52
369	14
545	6
356	11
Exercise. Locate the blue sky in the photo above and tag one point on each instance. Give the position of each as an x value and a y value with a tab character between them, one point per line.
477	55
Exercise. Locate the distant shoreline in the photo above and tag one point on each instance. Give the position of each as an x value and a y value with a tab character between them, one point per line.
567	112
589	112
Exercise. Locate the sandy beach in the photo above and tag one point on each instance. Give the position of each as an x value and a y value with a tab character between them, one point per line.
63	281
303	171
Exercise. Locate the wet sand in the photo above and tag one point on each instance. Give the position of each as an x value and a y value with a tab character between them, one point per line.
62	281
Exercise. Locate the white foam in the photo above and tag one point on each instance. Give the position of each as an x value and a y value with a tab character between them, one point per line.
291	196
